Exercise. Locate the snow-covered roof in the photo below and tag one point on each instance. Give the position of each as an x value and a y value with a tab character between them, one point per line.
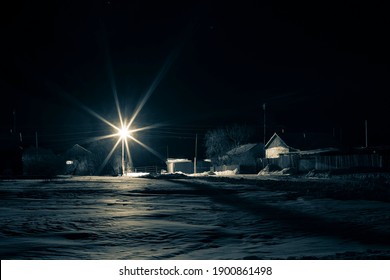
303	141
77	149
315	151
178	160
241	149
276	136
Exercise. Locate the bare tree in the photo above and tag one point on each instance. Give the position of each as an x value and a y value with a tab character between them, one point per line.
221	140
238	134
217	144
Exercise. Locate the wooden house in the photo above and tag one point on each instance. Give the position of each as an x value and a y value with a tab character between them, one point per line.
78	161
299	150
41	162
306	152
299	142
245	158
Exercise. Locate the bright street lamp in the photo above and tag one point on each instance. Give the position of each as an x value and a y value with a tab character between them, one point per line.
124	133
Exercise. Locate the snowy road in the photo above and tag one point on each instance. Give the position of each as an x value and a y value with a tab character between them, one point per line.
134	218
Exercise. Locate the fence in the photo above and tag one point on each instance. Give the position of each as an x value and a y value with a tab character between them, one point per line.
225	167
148	169
328	162
349	161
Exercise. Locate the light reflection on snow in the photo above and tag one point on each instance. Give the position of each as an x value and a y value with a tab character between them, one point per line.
134	218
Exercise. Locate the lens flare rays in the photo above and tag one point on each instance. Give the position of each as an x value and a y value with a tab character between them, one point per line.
125	130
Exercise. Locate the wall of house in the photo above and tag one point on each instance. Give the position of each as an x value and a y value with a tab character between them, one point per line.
225	168
275	151
203	166
170	167
79	167
41	162
185	167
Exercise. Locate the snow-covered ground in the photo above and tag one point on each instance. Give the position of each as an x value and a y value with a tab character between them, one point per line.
210	217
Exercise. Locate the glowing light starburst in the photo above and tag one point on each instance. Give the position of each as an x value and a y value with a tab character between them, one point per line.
125	131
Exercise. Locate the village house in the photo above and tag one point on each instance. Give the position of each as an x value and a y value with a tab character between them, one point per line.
311	151
299	150
41	162
297	142
245	158
78	161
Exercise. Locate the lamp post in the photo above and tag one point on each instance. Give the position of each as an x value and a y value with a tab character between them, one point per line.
123	156
124	132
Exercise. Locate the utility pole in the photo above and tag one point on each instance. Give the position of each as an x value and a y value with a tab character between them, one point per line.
123	157
366	132
196	152
264	136
36	143
36	140
264	133
14	121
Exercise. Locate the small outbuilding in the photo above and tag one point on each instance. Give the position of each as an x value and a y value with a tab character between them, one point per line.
179	165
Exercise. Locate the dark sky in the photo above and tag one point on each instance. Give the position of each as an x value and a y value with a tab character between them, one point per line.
320	66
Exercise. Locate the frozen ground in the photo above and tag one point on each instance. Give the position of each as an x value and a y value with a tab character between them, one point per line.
171	217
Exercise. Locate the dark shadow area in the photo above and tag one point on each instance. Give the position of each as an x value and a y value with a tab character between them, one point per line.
296	220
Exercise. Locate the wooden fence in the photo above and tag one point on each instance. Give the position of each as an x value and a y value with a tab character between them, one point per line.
328	162
148	169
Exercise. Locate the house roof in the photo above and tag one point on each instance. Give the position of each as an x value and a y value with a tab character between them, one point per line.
275	139
303	141
169	160
317	151
76	150
241	149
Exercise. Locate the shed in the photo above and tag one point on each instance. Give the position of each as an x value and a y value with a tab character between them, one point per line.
179	165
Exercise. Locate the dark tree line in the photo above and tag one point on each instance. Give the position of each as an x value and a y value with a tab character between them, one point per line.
221	140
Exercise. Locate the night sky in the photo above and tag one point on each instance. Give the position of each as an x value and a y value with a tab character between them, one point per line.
319	67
